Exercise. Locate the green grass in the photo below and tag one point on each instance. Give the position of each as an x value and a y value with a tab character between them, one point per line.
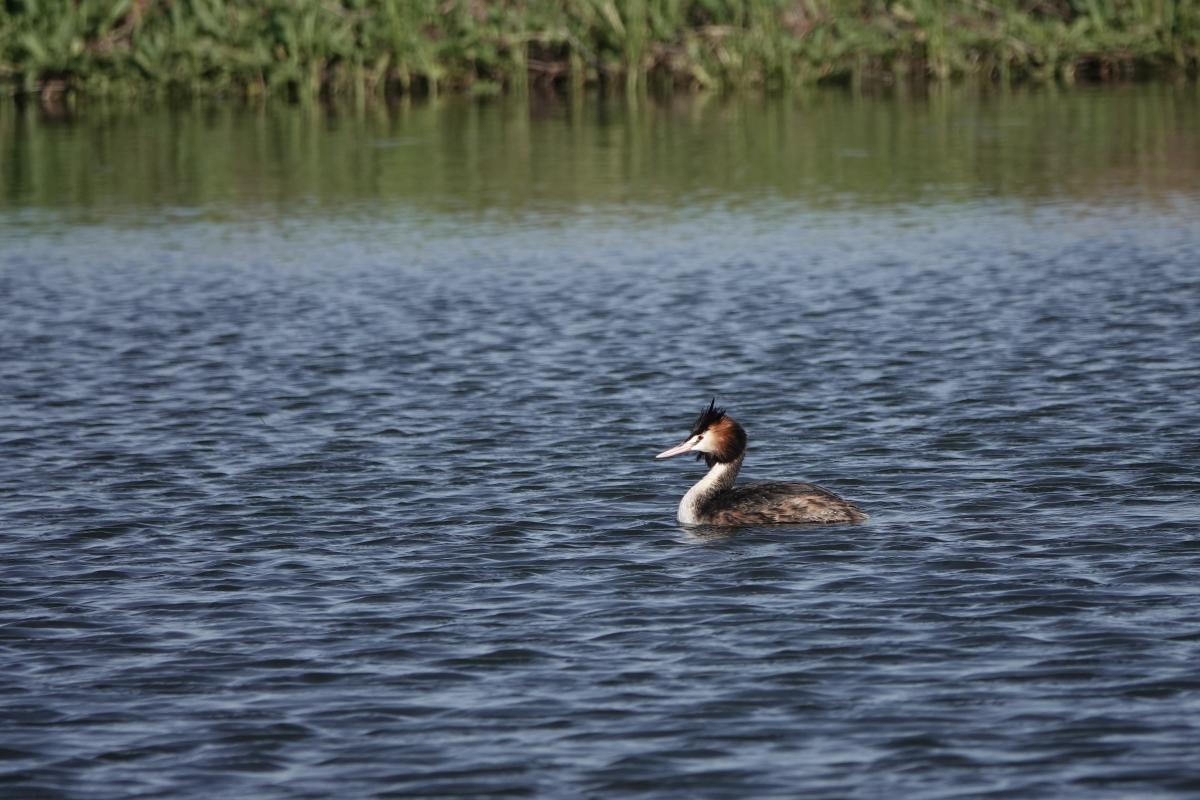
367	48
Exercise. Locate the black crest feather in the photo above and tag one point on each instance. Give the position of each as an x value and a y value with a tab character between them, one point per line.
736	436
709	416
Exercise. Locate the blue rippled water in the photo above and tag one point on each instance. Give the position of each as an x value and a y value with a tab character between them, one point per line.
365	505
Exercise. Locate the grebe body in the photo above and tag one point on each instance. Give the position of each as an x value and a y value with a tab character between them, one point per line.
714	500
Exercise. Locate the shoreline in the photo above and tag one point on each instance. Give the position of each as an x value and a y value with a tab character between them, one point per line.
381	50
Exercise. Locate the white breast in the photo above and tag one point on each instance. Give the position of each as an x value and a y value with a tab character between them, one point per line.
721	476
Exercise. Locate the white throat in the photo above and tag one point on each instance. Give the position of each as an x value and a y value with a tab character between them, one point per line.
717	479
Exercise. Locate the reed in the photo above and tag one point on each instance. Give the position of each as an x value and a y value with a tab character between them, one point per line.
303	48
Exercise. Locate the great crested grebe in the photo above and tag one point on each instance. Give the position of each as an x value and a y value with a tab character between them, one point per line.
721	442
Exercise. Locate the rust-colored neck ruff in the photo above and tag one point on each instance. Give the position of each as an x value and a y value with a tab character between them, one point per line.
727	442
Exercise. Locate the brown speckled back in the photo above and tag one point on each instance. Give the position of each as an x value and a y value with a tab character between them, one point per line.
774	503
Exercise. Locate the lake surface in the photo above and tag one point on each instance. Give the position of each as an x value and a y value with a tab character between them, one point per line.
326	448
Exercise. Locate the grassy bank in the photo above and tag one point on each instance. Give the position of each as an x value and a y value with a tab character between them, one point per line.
376	47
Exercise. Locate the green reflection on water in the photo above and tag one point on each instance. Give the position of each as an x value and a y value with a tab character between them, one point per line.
826	149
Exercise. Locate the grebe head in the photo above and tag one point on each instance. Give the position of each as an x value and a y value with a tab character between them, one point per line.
715	437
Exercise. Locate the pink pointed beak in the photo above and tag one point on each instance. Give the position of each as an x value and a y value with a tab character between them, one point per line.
678	449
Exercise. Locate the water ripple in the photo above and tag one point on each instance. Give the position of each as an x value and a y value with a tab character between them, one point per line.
307	517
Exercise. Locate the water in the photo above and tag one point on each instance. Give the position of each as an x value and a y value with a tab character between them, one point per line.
327	450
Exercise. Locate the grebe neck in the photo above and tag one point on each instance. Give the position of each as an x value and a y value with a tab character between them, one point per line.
719	478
